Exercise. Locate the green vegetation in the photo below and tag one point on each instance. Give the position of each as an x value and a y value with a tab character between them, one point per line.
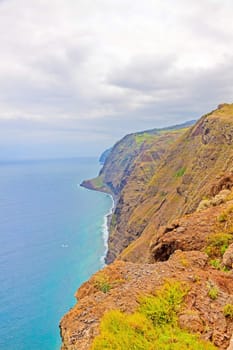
98	182
217	244
173	131
222	217
164	307
153	326
102	282
180	172
140	138
228	311
213	292
216	263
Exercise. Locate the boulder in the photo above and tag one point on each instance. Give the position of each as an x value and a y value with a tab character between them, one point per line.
228	257
191	321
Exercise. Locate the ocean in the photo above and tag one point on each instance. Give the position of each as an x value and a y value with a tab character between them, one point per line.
52	238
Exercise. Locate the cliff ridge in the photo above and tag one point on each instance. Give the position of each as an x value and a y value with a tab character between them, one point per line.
171	238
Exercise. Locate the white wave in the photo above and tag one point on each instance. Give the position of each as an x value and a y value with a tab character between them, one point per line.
64	245
105	230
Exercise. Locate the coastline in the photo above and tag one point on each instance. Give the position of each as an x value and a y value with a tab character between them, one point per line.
105	230
88	184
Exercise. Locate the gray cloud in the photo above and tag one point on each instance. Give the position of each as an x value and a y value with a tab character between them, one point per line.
97	70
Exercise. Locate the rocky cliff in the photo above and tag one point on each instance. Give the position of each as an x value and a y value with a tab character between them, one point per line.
126	173
171	236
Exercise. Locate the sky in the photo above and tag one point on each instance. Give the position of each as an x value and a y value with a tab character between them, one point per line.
77	75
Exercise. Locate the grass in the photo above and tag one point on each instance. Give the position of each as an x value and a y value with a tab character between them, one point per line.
102	282
164	307
98	182
217	244
213	293
228	311
222	217
153	326
216	263
140	138
225	215
180	172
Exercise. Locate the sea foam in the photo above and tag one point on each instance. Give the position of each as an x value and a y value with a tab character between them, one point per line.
105	230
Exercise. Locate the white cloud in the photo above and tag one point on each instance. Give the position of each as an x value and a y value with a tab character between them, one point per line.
99	63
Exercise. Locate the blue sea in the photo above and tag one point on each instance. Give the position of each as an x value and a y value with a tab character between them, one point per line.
51	240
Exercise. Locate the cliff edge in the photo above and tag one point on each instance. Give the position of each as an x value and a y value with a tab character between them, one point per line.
171	239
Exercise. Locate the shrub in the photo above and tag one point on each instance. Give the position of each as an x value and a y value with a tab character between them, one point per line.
102	282
204	204
216	263
163	308
180	172
222	217
213	293
217	244
152	326
228	311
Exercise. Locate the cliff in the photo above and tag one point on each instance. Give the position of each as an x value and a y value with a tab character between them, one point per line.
197	167
126	172
171	239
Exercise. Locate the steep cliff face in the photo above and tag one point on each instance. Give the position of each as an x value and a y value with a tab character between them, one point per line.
127	171
198	165
175	203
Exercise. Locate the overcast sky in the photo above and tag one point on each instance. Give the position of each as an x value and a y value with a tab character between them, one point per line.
75	75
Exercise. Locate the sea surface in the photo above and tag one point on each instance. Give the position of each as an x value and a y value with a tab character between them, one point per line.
51	240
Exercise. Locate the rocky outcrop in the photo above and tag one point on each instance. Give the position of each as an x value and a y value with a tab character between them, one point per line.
192	232
228	257
128	281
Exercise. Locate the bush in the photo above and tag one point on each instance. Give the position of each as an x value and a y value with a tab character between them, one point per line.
217	244
163	308
180	172
102	282
228	311
153	326
216	263
213	293
222	217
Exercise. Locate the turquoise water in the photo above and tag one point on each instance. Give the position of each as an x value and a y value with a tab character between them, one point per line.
51	240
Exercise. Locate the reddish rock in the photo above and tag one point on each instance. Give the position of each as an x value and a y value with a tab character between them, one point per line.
228	257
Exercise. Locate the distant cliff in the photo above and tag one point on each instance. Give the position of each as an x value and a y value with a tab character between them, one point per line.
104	156
171	240
126	172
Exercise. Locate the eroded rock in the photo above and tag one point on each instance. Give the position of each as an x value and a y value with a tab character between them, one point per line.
228	257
